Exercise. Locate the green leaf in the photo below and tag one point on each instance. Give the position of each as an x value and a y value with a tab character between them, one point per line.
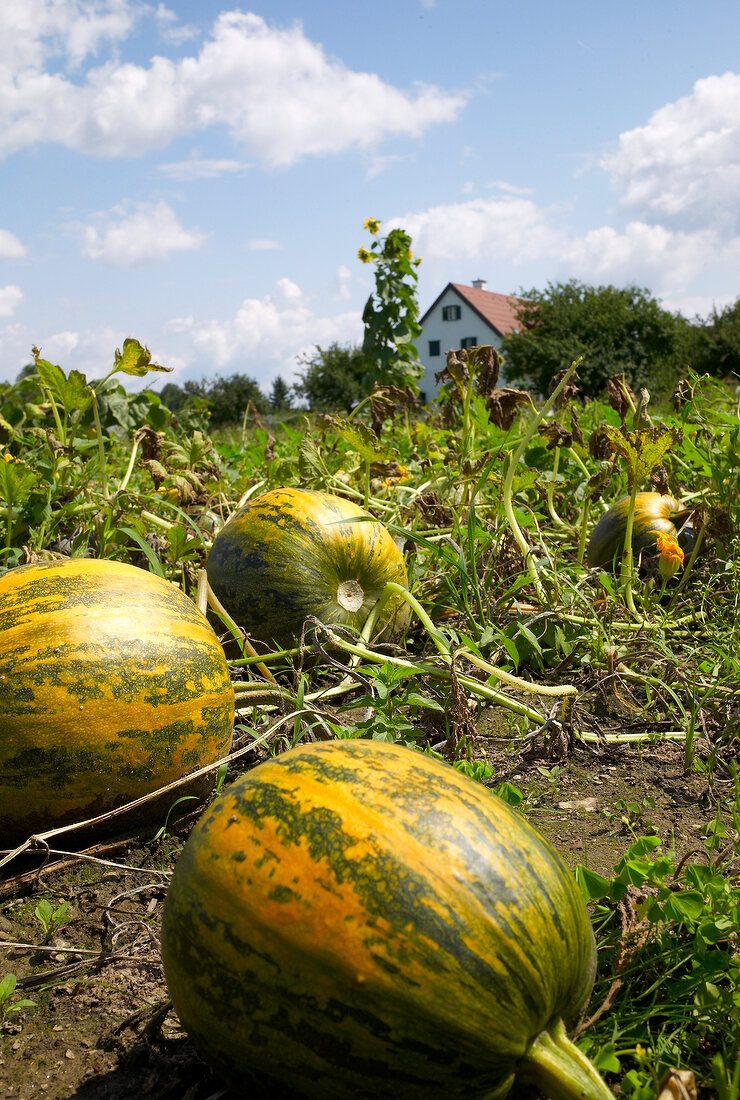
154	562
7	986
685	905
135	359
592	886
509	793
606	1061
71	391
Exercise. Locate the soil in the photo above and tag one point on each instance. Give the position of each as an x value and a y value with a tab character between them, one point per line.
101	1027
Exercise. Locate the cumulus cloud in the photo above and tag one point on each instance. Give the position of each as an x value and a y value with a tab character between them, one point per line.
510	228
10	247
685	162
271	87
133	235
518	233
10	299
36	30
274	331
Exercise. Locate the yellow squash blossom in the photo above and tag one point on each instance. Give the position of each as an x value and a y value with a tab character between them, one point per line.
671	555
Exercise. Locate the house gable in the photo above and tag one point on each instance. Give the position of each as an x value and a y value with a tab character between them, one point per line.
477	316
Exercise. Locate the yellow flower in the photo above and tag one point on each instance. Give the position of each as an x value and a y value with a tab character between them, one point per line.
364	255
8	456
372	224
671	555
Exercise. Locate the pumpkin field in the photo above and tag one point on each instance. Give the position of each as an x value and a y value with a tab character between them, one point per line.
386	754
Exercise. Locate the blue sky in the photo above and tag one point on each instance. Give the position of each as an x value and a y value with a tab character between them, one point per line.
197	175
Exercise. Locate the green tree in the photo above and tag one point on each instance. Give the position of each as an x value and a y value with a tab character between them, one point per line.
616	330
714	345
280	396
229	398
391	314
333	378
173	396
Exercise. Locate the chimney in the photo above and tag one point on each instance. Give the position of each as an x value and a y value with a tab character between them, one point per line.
479	284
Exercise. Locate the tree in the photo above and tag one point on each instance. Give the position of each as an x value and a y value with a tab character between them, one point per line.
333	378
714	345
391	314
616	330
280	396
229	398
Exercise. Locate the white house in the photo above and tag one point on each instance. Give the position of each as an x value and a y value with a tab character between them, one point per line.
462	317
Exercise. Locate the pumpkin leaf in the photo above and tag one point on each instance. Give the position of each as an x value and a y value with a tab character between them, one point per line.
135	359
71	391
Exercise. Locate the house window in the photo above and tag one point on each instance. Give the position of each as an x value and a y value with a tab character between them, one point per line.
469	342
451	313
433	348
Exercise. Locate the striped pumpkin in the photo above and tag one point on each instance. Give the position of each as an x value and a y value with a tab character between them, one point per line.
112	684
358	920
653	513
294	553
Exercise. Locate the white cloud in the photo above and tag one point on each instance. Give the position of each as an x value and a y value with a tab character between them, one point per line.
132	235
652	255
274	89
685	163
10	298
342	280
170	29
274	331
512	229
263	244
33	30
518	233
10	247
196	169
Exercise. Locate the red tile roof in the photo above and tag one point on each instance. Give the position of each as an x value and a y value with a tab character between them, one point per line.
498	310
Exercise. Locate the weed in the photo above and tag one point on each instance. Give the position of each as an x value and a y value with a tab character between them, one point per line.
8	1001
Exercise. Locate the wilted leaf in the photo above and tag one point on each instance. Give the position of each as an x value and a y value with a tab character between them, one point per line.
621	397
135	359
503	404
385	402
486	363
555	434
571	392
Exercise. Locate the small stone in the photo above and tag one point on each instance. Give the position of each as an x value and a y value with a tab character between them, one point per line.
70	1054
588	804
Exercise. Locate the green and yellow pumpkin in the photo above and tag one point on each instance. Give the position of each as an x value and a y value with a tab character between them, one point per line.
654	513
295	553
357	920
112	684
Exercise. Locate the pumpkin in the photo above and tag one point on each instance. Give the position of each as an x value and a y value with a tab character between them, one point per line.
653	513
112	684
295	553
358	920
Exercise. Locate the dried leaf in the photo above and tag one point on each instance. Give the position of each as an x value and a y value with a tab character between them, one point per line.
621	397
556	435
503	404
572	391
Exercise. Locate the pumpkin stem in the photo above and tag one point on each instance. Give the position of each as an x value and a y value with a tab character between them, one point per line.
350	595
560	1069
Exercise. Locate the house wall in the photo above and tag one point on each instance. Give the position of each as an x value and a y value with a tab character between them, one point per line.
450	335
